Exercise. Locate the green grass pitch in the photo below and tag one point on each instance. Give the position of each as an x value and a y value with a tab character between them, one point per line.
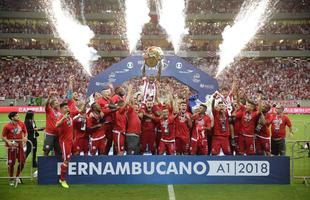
30	189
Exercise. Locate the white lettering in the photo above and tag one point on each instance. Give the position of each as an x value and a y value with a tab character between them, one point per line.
151	171
136	168
108	168
187	168
172	168
93	167
122	169
82	168
159	171
201	171
72	168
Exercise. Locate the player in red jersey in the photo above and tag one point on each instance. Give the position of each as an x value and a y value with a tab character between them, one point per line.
119	94
167	126
72	99
221	129
80	135
262	141
183	124
237	127
279	122
148	122
65	134
248	121
108	109
51	132
202	124
14	134
119	129
133	131
94	123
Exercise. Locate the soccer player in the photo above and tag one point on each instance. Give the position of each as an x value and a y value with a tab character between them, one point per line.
237	127
80	135
133	131
108	109
202	124
148	122
248	121
278	132
221	129
14	135
65	133
183	124
167	126
119	129
72	99
51	132
262	130
119	95
94	123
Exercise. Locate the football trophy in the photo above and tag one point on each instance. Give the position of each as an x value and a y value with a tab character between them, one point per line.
153	58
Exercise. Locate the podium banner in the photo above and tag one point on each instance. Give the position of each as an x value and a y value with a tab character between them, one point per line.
167	170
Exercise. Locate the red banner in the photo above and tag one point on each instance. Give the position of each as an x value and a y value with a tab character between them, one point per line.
296	110
22	109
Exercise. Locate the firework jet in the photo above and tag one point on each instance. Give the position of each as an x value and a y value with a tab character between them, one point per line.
75	35
172	18
137	14
251	17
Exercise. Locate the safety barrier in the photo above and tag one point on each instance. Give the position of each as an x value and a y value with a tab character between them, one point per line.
300	160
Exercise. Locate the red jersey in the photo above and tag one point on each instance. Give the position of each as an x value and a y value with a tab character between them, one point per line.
248	122
201	123
147	123
237	124
134	122
104	104
79	127
93	119
221	124
116	98
181	125
14	131
263	130
167	128
278	125
72	108
65	130
51	119
120	120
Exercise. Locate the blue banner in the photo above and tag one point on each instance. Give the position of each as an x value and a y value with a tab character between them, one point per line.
167	170
174	66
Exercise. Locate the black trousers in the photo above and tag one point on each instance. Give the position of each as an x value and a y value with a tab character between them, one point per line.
34	155
278	147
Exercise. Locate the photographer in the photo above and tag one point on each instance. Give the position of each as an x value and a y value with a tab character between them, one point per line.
32	136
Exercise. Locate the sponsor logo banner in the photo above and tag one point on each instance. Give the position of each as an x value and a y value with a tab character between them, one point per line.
167	170
22	109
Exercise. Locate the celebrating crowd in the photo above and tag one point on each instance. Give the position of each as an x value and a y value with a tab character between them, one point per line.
151	120
281	78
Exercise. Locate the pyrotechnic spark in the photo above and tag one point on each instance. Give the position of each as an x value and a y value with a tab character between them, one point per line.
172	18
75	35
136	15
251	17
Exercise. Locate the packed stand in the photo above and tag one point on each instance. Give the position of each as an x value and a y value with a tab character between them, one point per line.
279	78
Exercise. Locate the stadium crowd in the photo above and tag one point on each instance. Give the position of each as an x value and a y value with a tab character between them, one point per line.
193	7
280	78
152	28
121	45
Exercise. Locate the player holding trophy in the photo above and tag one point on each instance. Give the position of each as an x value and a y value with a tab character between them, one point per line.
153	58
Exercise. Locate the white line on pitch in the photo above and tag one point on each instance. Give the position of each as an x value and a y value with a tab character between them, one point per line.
171	192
